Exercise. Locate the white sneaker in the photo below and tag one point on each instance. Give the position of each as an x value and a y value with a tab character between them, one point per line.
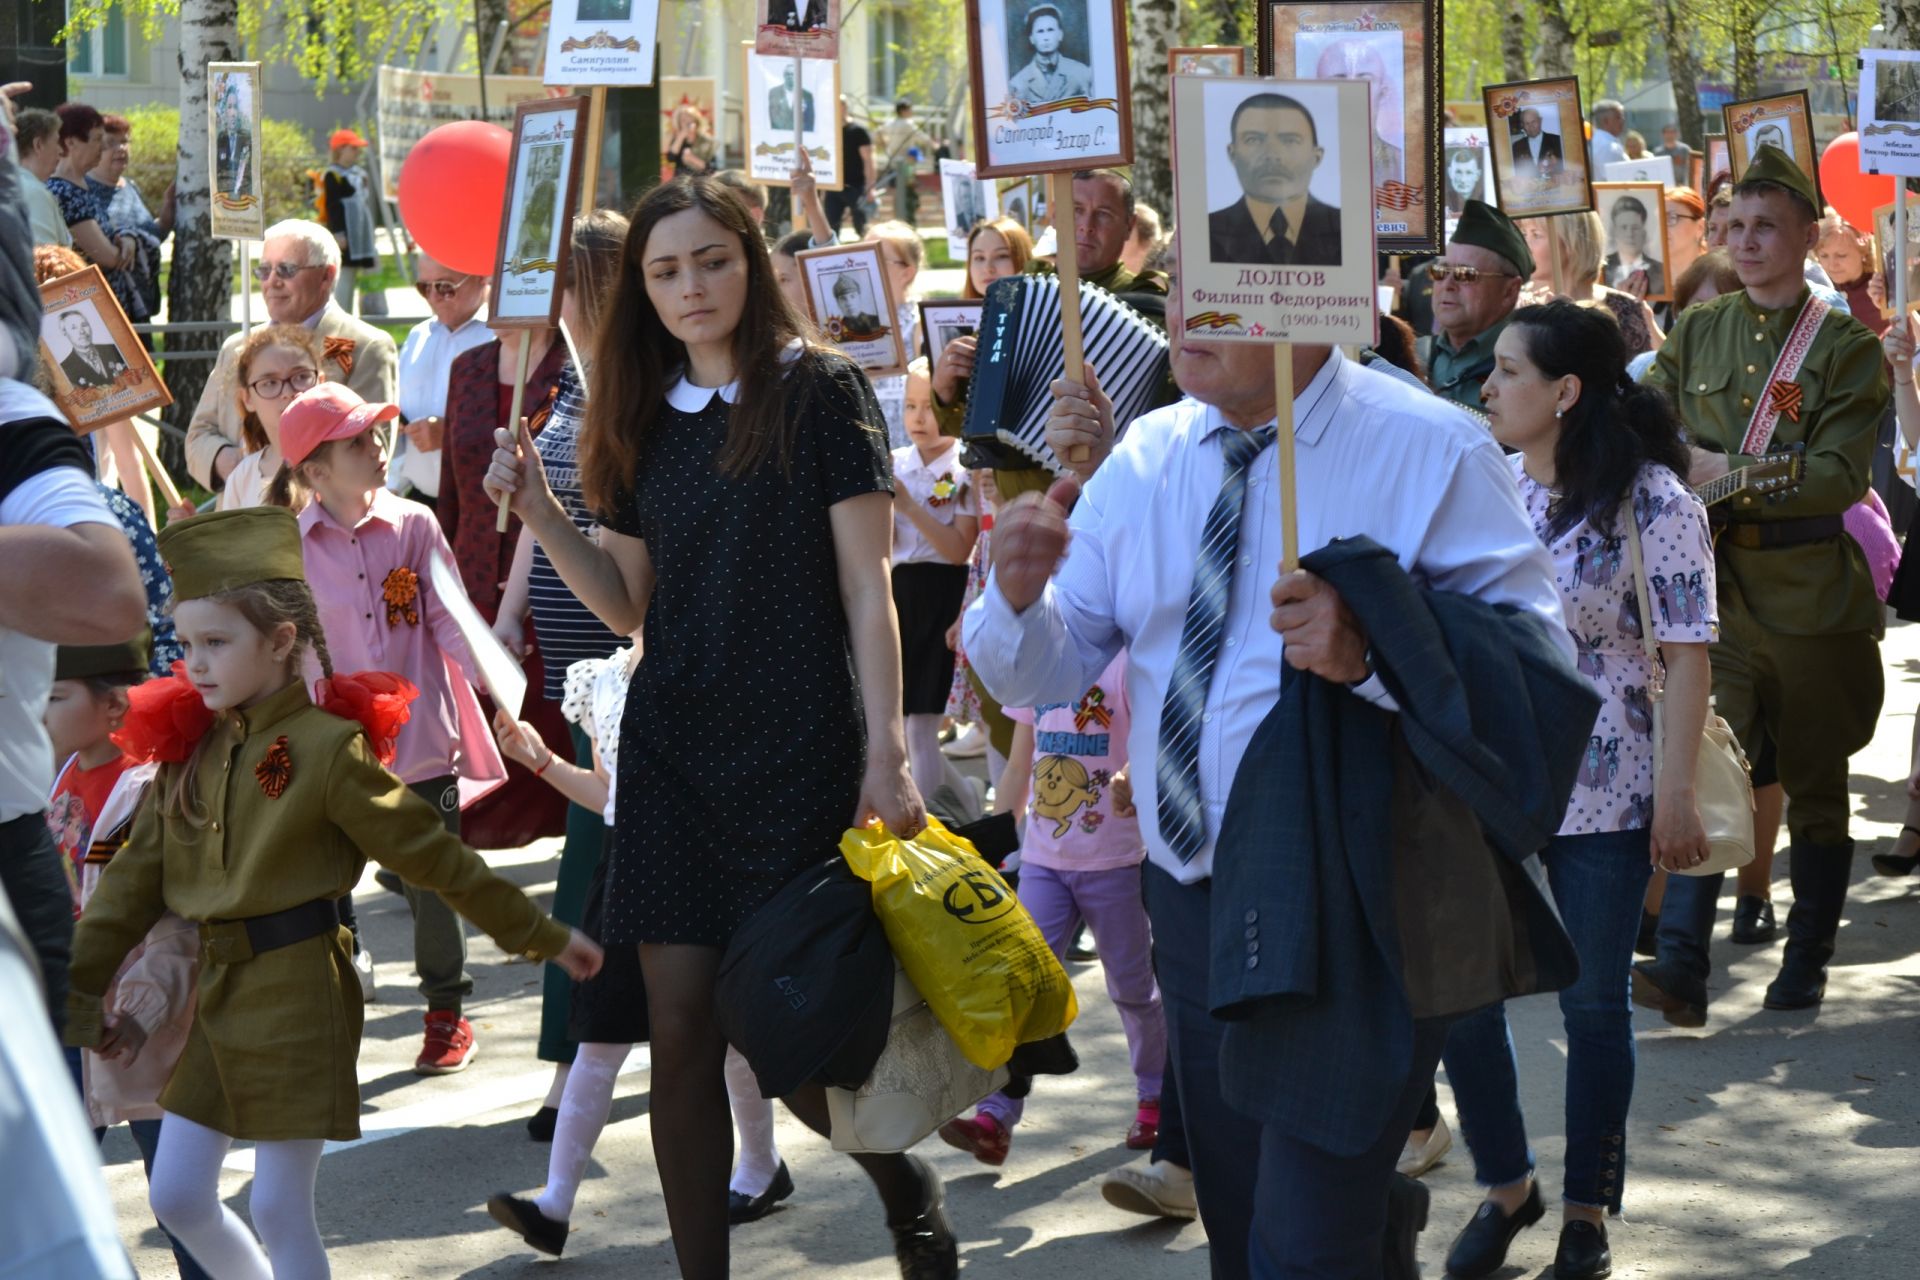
968	746
1163	1190
1417	1158
363	965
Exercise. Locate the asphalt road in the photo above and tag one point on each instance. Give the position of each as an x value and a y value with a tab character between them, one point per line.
1767	1144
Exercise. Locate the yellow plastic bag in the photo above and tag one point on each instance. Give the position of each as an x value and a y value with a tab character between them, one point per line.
964	939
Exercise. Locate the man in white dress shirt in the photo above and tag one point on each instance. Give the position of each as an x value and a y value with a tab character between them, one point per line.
1609	123
1375	457
457	301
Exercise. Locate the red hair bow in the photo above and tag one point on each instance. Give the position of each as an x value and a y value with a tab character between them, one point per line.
377	699
165	718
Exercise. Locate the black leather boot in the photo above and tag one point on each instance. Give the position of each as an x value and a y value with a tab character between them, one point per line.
1819	874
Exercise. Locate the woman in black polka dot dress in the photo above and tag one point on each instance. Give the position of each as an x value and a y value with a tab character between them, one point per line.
743	480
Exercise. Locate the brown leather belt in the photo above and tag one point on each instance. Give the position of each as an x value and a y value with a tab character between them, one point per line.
1773	534
235	941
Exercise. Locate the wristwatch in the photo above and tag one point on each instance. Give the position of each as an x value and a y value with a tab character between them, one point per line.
1368	659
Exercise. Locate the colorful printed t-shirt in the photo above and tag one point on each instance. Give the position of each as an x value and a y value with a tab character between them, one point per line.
78	796
1614	791
1077	748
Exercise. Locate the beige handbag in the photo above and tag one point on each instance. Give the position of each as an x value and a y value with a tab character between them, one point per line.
1722	783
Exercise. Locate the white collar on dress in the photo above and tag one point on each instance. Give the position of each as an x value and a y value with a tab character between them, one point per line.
689	398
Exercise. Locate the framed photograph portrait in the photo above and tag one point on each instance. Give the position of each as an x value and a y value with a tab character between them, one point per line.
1648	168
1539	143
678	94
1719	161
965	200
1207	60
1697	169
1890	111
543	181
1025	201
1890	254
1784	121
1395	47
778	93
99	370
1635	217
943	320
1050	85
1465	168
797	28
1269	169
851	300
609	42
239	209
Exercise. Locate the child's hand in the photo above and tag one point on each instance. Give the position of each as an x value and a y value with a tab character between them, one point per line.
185	511
519	741
953	634
1122	792
124	1039
582	957
511	632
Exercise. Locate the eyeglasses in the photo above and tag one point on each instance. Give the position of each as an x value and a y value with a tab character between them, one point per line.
1675	219
264	271
1440	271
272	388
440	288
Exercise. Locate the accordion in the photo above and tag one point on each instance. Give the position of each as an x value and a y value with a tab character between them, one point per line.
1022	350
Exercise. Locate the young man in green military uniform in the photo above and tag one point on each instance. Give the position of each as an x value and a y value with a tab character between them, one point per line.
1797	665
1476	285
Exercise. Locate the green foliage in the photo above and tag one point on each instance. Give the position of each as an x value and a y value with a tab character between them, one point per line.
286	155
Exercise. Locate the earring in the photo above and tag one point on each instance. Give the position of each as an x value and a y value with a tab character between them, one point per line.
1559	413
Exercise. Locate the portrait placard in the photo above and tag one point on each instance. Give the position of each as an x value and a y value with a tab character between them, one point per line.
1784	120
771	99
1646	169
1289	251
678	93
1889	251
1698	166
965	200
1207	60
99	370
1635	217
602	42
1539	147
1025	201
1718	159
239	210
1467	159
1890	111
851	300
543	163
1394	45
1051	89
797	28
944	319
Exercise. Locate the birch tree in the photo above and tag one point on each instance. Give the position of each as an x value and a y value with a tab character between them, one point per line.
1154	28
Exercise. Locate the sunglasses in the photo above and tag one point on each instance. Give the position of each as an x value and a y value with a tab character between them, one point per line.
1440	271
440	288
264	271
272	388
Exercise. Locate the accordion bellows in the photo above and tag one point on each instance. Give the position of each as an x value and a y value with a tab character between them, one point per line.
1022	350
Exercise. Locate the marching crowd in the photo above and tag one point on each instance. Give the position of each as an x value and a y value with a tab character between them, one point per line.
1304	905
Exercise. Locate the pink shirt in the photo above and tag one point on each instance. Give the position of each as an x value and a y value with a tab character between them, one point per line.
377	605
1077	748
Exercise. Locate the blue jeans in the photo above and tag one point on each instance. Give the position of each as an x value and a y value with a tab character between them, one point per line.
1598	883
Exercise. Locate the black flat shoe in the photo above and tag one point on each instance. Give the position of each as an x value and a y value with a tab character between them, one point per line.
1407	1201
1894	864
524	1219
742	1207
1583	1253
1753	921
1645	943
1682	1000
1481	1247
540	1124
924	1244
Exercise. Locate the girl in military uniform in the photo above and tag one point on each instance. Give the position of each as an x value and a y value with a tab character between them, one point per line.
257	823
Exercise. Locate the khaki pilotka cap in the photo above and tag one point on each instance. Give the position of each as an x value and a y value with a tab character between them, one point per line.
1486	227
1770	164
225	550
92	661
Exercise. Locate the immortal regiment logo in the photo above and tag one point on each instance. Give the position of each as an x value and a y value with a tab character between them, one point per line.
1747	119
235	204
1016	109
1396	195
600	40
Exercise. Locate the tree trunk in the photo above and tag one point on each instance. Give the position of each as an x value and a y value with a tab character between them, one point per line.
1746	48
1153	28
1556	42
1685	77
200	283
1513	41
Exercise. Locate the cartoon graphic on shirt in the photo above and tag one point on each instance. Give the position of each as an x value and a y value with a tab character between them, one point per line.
1647	507
1638	706
1601	764
1630	613
1590	661
1598	560
1638	813
1061	787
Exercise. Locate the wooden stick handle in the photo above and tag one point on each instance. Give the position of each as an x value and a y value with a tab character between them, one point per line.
168	489
1066	256
1283	441
513	414
1558	271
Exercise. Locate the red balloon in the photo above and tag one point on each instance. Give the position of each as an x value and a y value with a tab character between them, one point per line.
1853	194
452	186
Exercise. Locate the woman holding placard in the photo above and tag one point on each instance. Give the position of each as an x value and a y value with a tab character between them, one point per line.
741	478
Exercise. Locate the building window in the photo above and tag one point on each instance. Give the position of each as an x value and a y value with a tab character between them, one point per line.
101	52
891	30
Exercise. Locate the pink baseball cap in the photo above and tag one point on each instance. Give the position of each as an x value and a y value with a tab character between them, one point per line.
326	411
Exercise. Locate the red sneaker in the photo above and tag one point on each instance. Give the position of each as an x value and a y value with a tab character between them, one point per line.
448	1047
1146	1126
985	1137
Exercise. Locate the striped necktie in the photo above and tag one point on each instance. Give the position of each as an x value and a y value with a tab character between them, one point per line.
1177	771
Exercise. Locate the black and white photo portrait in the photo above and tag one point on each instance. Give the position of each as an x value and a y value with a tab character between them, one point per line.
852	302
1377	57
1050	64
1535	140
1465	168
780	104
1634	216
1050	85
605	11
90	360
1273	149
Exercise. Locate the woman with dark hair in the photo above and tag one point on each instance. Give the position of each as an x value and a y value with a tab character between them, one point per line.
742	480
1593	452
83	133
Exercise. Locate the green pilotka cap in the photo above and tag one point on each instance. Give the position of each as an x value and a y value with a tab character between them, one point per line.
224	550
1486	227
1771	164
92	661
